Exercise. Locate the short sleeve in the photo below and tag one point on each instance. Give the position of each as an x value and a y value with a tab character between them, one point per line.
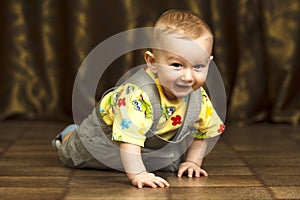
209	123
132	115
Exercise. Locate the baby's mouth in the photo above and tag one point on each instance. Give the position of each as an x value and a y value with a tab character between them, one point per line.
184	86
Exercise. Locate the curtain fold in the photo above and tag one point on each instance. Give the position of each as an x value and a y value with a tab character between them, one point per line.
44	42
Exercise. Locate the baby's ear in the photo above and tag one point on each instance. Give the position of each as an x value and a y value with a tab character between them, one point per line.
150	61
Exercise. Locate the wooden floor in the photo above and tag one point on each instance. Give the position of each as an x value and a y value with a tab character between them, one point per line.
254	162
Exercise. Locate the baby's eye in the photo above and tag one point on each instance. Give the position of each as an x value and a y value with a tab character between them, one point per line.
177	65
200	66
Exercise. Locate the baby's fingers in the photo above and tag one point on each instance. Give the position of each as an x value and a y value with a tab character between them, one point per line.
199	171
202	171
191	172
161	182
150	183
142	183
157	181
154	183
181	170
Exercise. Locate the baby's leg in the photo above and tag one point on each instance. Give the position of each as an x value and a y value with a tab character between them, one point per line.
73	153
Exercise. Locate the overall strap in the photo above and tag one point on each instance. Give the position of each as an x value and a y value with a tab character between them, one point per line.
146	83
191	115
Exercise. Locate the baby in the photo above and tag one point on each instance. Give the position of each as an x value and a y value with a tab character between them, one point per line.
142	125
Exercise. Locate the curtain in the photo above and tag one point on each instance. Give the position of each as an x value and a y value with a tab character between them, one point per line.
44	42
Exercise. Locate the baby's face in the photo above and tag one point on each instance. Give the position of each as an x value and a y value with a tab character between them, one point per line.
184	68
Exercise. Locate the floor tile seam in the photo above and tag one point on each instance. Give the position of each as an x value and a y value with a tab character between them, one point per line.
27	176
68	185
5	150
238	154
221	186
31	187
14	141
291	138
235	186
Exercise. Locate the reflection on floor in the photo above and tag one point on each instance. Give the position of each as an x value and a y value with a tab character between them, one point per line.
254	162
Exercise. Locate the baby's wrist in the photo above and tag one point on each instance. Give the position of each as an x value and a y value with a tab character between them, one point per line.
132	176
194	162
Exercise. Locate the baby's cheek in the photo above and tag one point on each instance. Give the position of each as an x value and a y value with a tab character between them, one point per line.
196	87
199	83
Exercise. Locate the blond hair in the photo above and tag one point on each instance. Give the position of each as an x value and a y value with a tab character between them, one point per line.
183	22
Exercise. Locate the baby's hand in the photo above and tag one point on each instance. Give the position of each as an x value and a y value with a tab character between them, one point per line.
190	168
148	179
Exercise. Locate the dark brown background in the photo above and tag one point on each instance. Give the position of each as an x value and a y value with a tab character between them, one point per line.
43	43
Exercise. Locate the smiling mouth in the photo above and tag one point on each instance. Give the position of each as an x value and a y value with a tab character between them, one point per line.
184	87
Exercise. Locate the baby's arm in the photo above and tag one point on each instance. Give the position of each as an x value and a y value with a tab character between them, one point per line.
135	168
193	161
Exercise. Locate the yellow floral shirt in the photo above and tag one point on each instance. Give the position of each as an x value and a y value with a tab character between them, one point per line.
130	113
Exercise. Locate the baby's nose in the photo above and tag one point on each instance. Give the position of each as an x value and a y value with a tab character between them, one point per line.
187	75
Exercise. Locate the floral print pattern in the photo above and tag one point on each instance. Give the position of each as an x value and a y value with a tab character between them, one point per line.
129	111
121	102
176	120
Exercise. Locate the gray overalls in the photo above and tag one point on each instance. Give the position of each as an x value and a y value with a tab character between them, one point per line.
90	146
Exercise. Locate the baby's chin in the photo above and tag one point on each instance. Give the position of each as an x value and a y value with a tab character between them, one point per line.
178	94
